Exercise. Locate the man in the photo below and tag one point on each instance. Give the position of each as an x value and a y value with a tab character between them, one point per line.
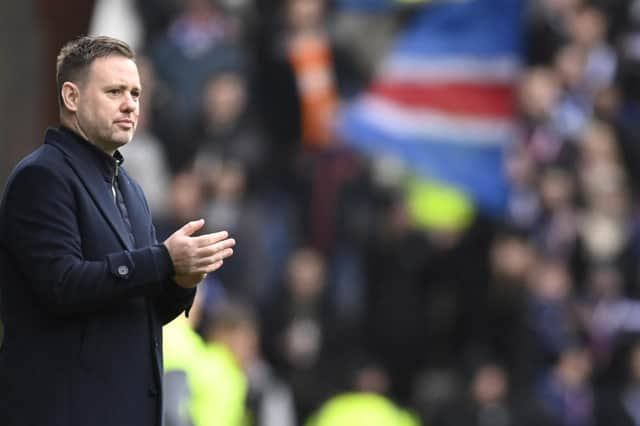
205	380
85	286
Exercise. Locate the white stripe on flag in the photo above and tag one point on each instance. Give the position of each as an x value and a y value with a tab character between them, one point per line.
409	68
423	124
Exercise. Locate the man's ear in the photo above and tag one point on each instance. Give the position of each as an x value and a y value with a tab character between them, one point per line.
70	94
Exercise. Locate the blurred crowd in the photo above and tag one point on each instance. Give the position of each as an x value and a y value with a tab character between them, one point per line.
338	308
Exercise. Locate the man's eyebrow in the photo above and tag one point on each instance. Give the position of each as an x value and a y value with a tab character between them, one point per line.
122	87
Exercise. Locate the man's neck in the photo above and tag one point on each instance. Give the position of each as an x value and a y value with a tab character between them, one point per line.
72	123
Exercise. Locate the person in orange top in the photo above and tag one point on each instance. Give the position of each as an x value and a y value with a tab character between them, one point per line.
309	52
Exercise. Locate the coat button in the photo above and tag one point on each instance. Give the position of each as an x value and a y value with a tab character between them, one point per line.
123	270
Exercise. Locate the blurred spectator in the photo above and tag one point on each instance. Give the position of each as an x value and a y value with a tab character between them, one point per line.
588	28
156	16
538	97
185	201
318	67
227	205
186	383
270	398
307	345
557	228
433	391
605	228
199	41
363	404
306	74
396	298
608	314
620	376
421	290
228	129
631	393
606	232
231	334
309	52
565	392
523	205
598	147
547	28
206	379
361	409
574	106
489	403
551	311
506	332
232	161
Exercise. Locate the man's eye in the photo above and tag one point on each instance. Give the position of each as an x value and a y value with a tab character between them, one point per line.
114	91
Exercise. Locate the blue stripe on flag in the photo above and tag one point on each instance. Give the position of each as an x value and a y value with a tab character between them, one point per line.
476	169
486	28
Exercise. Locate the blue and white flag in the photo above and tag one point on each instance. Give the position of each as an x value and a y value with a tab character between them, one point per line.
444	100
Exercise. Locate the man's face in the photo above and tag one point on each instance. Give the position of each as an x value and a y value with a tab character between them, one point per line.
108	105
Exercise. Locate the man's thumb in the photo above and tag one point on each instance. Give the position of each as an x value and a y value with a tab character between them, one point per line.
191	227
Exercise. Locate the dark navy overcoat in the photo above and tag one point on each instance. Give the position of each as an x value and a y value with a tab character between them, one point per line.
83	296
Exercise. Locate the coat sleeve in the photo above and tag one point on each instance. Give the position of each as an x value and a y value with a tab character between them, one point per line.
172	300
42	234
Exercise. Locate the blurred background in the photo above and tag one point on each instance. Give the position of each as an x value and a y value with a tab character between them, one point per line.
435	202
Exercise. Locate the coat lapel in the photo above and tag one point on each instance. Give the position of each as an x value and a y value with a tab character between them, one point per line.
97	187
102	194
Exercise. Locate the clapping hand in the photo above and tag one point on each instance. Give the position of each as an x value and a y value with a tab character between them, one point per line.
194	257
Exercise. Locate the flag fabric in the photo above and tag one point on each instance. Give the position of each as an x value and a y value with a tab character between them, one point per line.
444	99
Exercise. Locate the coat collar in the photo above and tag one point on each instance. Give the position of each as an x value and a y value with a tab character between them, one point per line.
97	171
104	163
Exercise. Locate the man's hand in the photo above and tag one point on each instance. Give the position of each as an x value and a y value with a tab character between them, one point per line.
189	281
194	257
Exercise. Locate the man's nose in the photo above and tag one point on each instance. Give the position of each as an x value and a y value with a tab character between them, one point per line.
129	103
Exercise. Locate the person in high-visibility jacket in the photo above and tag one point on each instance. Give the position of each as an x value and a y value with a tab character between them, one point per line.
361	409
184	361
205	381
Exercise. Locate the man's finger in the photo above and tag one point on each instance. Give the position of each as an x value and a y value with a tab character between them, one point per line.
216	257
214	266
191	227
225	253
215	248
209	239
